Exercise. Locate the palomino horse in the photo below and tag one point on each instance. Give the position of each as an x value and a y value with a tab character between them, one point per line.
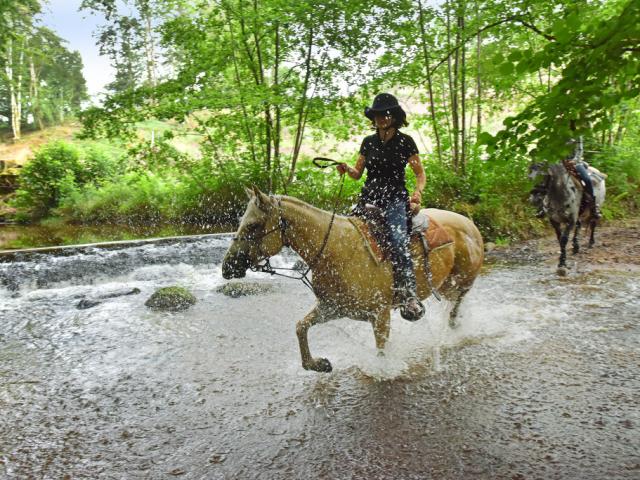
347	280
562	204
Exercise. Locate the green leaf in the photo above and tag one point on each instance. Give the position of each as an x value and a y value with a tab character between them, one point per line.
485	138
507	68
514	56
497	59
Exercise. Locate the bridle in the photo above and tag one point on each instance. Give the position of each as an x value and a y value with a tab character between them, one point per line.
264	265
281	226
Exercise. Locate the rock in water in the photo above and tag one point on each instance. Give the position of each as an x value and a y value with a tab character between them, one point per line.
172	299
241	289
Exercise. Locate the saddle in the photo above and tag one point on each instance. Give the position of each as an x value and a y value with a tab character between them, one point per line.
372	229
586	201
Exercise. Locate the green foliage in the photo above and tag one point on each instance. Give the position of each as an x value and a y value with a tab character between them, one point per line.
48	177
595	47
621	164
321	187
156	155
57	171
493	195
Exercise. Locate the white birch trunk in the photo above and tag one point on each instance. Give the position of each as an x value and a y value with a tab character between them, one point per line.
12	91
150	51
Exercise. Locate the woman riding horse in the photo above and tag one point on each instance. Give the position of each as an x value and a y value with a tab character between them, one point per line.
385	155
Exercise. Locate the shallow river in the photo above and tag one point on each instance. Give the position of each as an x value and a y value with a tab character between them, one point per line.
540	380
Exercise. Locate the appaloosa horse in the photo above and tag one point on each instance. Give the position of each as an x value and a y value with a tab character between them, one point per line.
347	279
562	204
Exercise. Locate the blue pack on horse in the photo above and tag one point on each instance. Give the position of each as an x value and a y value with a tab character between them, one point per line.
570	195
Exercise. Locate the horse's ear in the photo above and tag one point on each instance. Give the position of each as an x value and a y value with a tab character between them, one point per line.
249	193
263	201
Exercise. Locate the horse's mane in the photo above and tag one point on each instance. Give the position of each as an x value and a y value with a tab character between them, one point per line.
301	203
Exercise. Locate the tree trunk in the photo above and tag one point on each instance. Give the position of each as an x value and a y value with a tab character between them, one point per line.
624	115
463	90
302	108
15	90
478	78
432	107
34	93
453	80
268	128
278	127
150	51
8	70
245	114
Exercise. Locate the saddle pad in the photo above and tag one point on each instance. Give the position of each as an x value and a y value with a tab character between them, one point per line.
436	237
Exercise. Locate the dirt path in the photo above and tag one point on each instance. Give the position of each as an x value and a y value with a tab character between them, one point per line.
617	248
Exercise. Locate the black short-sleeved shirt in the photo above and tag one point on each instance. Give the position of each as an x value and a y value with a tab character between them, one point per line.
385	164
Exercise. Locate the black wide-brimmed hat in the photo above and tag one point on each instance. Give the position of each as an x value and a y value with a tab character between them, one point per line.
384	103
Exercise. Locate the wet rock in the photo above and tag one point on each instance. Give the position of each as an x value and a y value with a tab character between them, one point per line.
171	299
86	303
241	289
121	293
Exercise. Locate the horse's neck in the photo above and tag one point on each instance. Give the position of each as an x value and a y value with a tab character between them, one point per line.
307	227
559	186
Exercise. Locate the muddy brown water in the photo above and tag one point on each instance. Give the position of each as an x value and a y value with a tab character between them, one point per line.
540	380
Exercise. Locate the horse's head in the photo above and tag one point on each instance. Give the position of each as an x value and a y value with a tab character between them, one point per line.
259	236
536	169
558	175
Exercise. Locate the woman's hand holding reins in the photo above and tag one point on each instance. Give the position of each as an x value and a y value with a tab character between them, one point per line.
342	168
416	197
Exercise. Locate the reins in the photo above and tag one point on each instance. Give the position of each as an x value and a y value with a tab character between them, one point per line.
266	267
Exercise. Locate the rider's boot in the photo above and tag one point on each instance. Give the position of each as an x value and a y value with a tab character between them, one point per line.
411	308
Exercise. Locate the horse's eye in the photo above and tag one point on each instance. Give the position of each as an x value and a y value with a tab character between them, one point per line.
251	230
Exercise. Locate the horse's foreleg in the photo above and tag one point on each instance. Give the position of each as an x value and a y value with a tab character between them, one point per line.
564	239
576	242
312	318
381	326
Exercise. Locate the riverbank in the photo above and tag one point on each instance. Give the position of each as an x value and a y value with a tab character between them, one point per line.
617	248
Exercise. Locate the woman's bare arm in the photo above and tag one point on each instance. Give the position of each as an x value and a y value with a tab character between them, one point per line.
421	178
354	172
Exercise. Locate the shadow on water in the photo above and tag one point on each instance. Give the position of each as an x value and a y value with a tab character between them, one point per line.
539	381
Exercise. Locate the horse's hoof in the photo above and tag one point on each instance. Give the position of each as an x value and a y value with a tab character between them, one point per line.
321	365
562	271
576	250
